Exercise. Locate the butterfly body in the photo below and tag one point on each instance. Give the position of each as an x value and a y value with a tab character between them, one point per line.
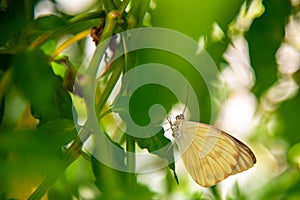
210	155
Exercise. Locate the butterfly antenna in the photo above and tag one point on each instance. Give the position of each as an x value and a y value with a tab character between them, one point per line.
186	100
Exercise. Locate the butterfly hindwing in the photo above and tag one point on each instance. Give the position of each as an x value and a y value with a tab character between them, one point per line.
210	155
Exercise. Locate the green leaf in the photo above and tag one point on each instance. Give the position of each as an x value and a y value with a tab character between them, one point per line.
35	78
62	130
31	151
145	97
135	105
139	105
2	102
5	60
2	107
46	24
14	20
49	22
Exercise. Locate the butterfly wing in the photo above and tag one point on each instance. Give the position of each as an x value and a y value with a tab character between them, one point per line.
210	155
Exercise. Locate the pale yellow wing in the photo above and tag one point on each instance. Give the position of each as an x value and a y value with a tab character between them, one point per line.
210	155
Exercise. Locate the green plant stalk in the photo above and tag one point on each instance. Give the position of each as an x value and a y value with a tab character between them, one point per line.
131	161
109	5
130	142
123	6
87	16
138	10
28	7
110	86
129	59
108	31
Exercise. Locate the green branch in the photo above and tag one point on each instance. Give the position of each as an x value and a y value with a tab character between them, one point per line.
131	160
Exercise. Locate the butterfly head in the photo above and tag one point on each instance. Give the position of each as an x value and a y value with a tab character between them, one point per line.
179	117
175	125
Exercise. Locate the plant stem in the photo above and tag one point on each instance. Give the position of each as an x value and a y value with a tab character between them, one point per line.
110	86
123	6
70	41
131	160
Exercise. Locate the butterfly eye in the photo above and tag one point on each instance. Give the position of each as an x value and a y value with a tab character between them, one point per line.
179	117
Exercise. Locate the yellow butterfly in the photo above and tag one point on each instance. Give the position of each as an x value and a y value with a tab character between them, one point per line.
209	154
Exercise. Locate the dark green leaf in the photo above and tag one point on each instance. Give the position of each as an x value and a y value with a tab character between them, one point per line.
31	151
5	61
62	130
35	78
139	104
2	107
46	23
143	98
2	102
12	22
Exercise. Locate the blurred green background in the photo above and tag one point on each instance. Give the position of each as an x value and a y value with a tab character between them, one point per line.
255	45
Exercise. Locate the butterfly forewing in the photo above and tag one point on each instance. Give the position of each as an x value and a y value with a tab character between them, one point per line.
209	154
